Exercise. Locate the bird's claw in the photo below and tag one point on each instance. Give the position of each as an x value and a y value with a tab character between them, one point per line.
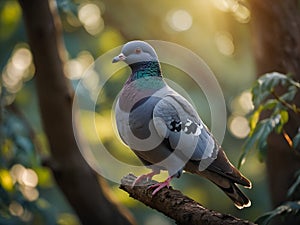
159	186
146	177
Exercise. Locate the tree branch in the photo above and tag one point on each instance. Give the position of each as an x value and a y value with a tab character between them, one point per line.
175	205
76	179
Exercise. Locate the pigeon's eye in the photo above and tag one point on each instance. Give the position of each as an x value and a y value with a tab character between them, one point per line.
138	50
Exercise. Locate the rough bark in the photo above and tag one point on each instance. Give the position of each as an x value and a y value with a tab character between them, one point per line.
76	179
175	205
276	37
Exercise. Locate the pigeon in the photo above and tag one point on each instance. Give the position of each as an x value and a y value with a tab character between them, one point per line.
165	131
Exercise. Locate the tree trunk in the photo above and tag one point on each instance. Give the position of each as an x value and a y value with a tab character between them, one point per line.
76	179
276	38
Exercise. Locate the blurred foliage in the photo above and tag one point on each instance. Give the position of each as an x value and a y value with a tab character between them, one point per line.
23	180
277	107
216	30
285	210
265	99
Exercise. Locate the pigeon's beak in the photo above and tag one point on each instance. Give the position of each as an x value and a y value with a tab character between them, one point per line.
120	57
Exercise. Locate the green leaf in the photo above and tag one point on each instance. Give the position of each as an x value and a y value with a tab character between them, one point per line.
258	138
267	126
248	145
284	118
289	94
270	104
266	83
254	119
270	80
263	147
296	140
251	140
295	185
287	208
266	218
259	94
294	83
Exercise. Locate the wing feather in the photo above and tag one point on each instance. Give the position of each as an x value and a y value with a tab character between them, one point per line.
175	119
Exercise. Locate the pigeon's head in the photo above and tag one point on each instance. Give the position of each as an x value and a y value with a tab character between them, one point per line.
136	51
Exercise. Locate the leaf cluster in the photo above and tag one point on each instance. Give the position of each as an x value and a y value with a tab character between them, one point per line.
275	108
271	112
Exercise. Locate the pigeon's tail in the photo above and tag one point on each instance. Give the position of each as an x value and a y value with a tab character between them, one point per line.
229	187
225	176
236	195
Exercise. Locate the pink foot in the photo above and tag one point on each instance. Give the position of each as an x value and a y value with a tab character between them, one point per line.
146	177
161	185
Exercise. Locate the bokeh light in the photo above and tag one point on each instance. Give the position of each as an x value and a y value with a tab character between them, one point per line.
225	5
245	101
19	69
90	16
180	20
27	179
23	176
22	59
74	68
224	43
17	172
238	126
92	83
240	107
31	194
16	209
242	104
240	12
